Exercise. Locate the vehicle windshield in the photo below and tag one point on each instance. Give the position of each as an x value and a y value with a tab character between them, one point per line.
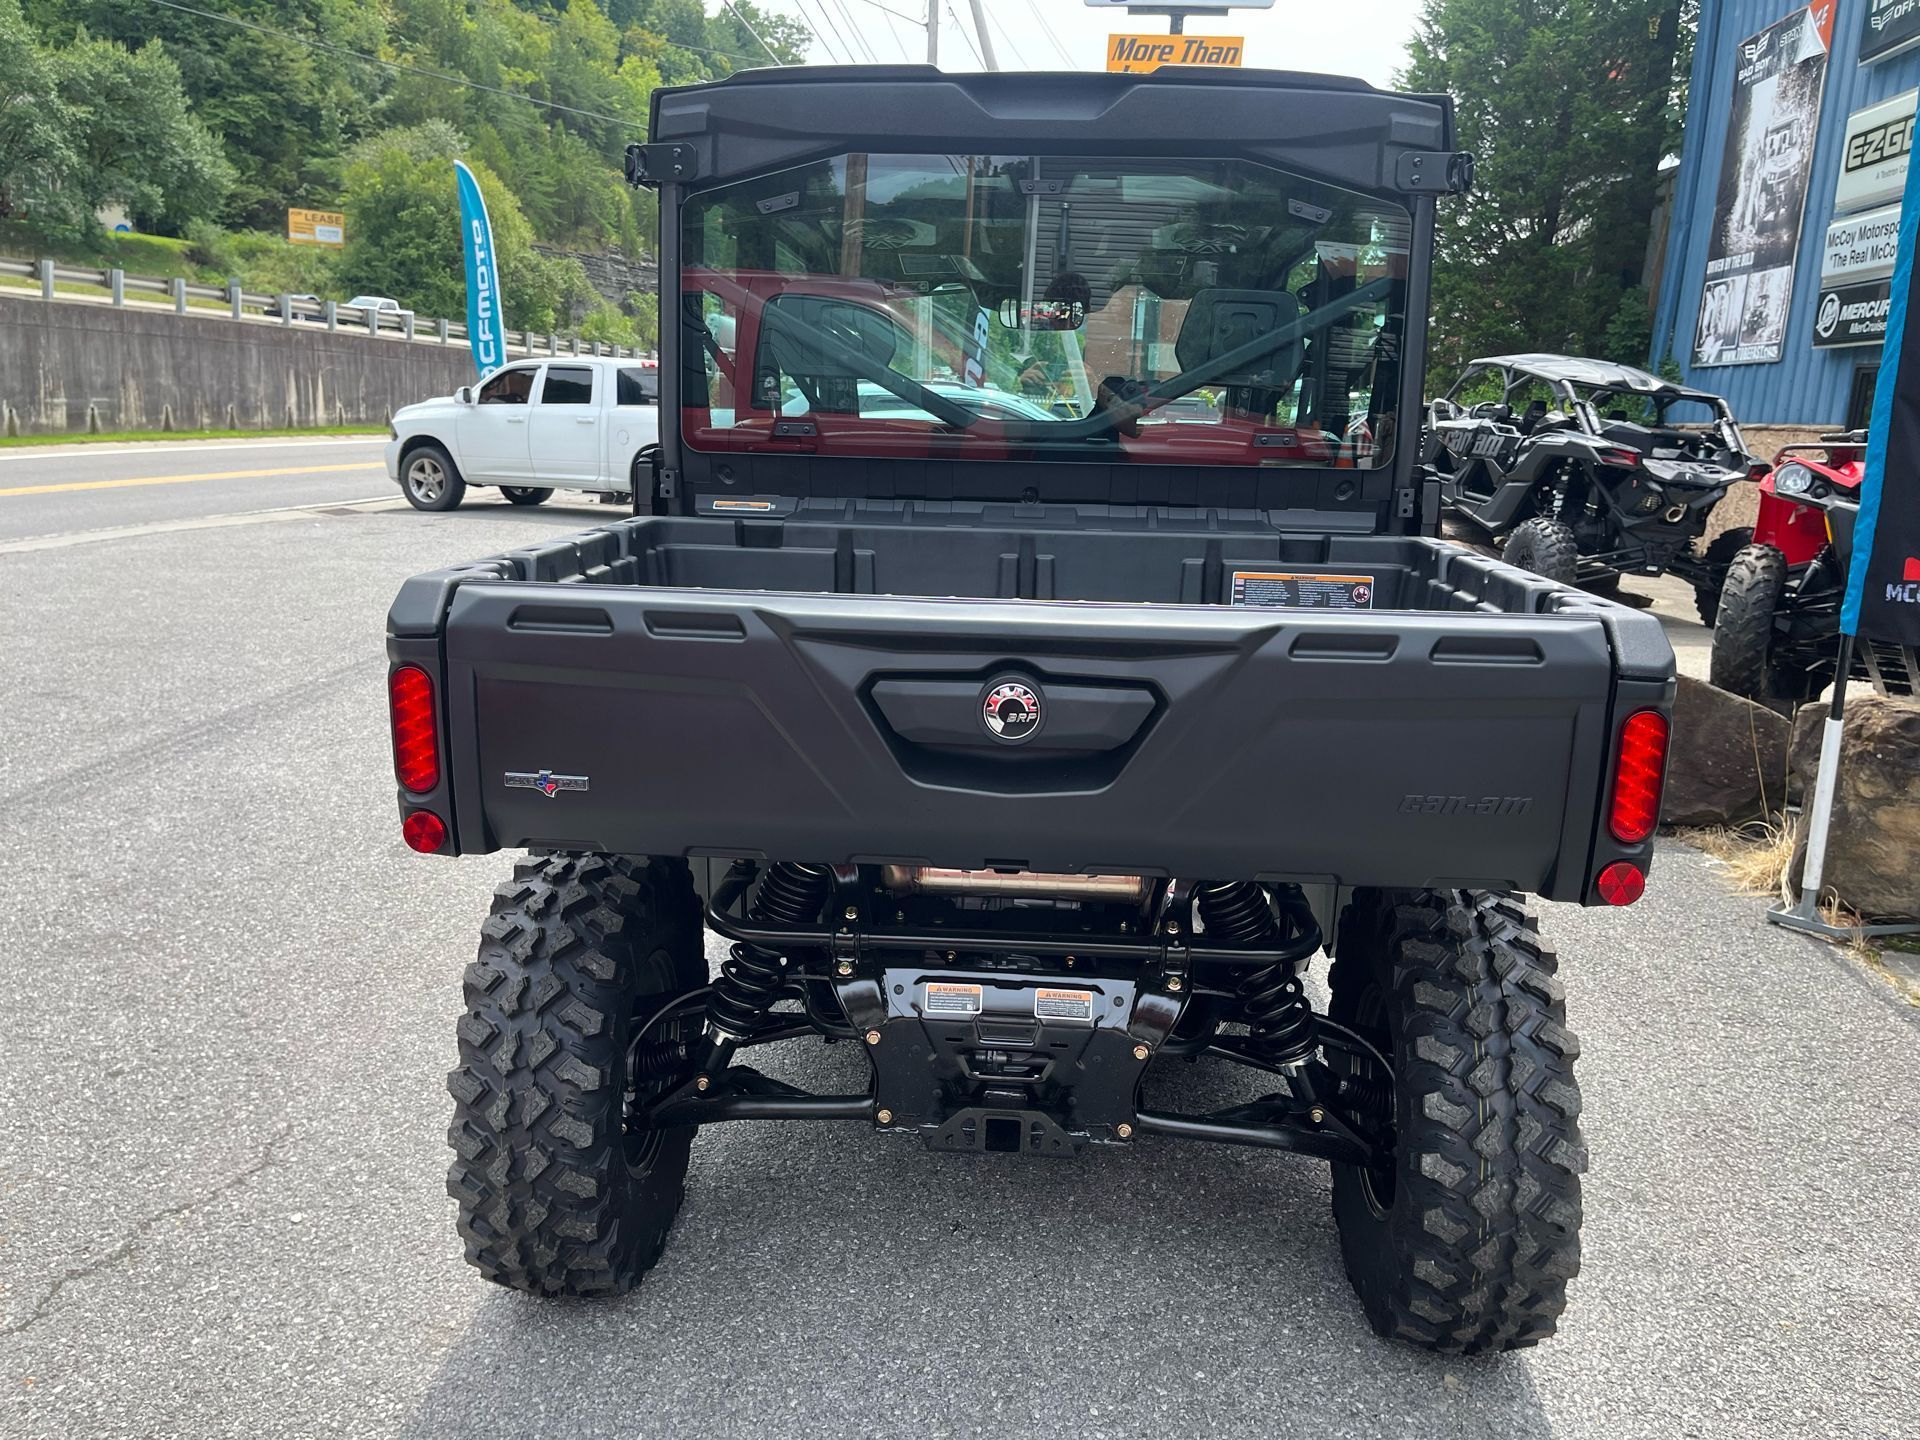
1209	312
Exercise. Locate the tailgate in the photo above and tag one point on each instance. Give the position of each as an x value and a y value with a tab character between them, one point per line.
1385	748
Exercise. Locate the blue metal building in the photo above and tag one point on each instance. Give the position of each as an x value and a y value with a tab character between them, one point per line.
1808	385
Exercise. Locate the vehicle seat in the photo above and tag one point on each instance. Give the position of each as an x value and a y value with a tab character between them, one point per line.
1535	413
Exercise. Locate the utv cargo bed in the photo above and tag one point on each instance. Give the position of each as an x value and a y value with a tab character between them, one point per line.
817	685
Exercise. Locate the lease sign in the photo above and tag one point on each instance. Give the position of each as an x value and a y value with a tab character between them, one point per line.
1139	54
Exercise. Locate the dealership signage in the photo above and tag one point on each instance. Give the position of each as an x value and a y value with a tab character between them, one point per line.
1140	54
1852	314
1861	247
1779	75
1873	162
1888	27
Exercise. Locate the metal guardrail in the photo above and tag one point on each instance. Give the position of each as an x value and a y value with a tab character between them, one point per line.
232	302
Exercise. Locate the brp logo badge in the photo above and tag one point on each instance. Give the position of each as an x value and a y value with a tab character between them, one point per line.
1011	710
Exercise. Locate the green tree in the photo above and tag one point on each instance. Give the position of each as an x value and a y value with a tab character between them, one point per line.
404	240
137	142
35	156
1569	106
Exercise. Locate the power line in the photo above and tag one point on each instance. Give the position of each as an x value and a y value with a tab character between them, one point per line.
1012	47
840	8
966	36
1052	39
821	31
753	32
913	20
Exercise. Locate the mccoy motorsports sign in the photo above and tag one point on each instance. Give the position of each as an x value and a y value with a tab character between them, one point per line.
1856	264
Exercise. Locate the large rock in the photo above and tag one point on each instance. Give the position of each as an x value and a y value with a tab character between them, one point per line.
1873	849
1728	763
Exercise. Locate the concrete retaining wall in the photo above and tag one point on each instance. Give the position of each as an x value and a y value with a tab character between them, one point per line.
62	362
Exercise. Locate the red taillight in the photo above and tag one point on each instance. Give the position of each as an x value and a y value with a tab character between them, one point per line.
1621	883
1637	777
424	831
1627	459
416	738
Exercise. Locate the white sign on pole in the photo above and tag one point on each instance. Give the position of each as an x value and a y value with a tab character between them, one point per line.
1873	162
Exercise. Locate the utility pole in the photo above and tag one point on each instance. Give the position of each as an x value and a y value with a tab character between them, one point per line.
986	40
933	32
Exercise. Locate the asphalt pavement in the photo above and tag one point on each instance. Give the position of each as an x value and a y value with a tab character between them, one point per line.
229	1009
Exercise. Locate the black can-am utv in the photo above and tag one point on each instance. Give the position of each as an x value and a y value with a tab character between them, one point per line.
1588	470
1032	652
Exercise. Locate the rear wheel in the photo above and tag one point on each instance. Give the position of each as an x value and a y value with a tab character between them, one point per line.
1714	560
1545	547
429	479
525	494
1742	656
1464	1237
561	1191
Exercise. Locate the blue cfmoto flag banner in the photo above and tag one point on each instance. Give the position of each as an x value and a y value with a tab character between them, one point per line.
484	330
1883	571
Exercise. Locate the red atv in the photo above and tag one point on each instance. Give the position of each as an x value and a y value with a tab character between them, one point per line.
1777	636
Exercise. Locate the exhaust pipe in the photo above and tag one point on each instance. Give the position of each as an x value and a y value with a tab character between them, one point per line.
927	880
1675	514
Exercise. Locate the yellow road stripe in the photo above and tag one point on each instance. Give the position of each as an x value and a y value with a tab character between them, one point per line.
183	479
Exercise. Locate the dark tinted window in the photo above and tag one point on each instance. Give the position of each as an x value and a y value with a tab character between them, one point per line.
637	387
567	385
509	387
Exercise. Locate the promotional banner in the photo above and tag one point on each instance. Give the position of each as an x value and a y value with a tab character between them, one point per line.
484	330
1888	27
1883	570
1778	79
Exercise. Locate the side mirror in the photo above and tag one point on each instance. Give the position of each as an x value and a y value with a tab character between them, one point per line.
463	396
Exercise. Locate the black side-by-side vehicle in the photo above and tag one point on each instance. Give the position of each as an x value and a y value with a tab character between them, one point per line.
1034	651
1586	470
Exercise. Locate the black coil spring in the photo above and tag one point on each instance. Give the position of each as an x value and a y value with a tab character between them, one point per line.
1273	1002
751	978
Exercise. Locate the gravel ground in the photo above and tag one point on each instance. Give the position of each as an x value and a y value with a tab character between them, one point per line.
221	1124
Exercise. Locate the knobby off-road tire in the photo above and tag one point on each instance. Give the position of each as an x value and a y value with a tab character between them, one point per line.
556	1196
1742	656
1717	557
1464	1242
1545	547
430	480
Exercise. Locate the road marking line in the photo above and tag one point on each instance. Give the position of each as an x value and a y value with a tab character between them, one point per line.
132	481
175	447
372	505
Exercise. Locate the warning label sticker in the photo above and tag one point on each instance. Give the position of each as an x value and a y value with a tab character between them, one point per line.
1063	1004
951	997
1299	590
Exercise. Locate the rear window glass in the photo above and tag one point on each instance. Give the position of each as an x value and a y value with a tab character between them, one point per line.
567	385
635	387
1151	310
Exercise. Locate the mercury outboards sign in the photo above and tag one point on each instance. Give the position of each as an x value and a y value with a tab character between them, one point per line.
1852	315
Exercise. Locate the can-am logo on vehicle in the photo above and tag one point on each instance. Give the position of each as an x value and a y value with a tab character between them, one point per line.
545	781
1466	804
1011	710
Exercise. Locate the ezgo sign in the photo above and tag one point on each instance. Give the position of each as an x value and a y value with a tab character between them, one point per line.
1142	54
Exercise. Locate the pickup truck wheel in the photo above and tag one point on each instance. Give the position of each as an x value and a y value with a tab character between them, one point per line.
430	480
558	1193
1742	653
1545	547
526	494
1464	1239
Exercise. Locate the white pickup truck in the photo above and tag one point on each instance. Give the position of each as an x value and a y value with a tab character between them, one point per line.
532	427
